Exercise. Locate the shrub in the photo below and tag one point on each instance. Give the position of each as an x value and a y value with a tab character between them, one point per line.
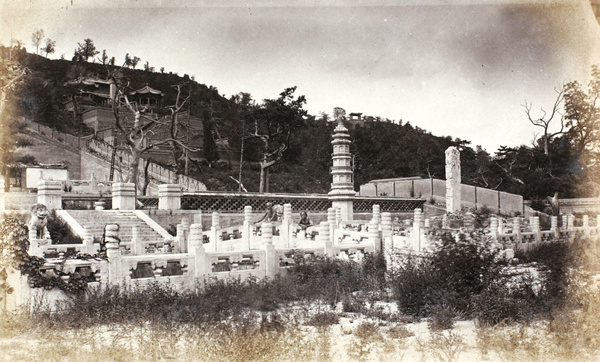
441	317
323	319
60	232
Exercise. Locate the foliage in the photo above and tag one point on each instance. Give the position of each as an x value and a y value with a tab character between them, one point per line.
60	232
85	50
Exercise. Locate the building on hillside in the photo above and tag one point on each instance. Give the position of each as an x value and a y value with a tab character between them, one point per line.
23	176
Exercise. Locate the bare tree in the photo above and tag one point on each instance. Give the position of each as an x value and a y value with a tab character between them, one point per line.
272	124
545	120
36	39
137	135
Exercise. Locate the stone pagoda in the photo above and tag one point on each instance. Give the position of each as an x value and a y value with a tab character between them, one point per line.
342	187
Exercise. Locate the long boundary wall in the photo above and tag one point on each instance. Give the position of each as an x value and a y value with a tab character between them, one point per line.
102	151
434	189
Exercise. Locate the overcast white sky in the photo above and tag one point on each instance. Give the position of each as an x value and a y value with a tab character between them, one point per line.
458	68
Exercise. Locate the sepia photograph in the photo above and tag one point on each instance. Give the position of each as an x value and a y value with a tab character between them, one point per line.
336	180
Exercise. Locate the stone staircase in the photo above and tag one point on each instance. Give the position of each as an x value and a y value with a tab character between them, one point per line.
96	220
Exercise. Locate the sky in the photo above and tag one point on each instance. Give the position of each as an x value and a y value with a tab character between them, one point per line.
454	68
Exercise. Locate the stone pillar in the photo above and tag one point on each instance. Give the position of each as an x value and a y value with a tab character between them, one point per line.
586	224
169	197
284	230
50	194
331	222
570	222
453	180
93	184
180	237
517	230
386	226
325	238
500	226
198	217
215	236
417	242
374	236
564	222
376	213
247	228
535	227
123	196
554	226
113	254
342	187
271	266
88	240
137	245
196	249
494	227
185	225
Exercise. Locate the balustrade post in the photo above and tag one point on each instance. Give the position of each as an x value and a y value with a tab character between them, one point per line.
386	229
494	227
517	230
416	235
325	238
213	245
586	225
50	194
185	225
267	244
377	213
564	222
500	226
570	222
338	217
196	249
123	196
169	197
331	222
374	236
247	228
88	241
535	227
113	253
137	246
554	226
284	231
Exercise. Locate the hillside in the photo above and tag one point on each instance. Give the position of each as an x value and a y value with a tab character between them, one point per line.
381	149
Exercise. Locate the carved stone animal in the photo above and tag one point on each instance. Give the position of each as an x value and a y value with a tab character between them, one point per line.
38	221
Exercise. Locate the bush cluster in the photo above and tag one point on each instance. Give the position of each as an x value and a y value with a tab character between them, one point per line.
463	277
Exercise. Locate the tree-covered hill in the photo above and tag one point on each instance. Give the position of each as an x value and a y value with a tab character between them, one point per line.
287	150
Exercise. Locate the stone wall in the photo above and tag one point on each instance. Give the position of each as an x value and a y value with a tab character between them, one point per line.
472	197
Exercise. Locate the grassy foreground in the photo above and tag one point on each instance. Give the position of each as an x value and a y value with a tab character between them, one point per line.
460	302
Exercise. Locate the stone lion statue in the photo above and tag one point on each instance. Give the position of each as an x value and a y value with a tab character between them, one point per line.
39	221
